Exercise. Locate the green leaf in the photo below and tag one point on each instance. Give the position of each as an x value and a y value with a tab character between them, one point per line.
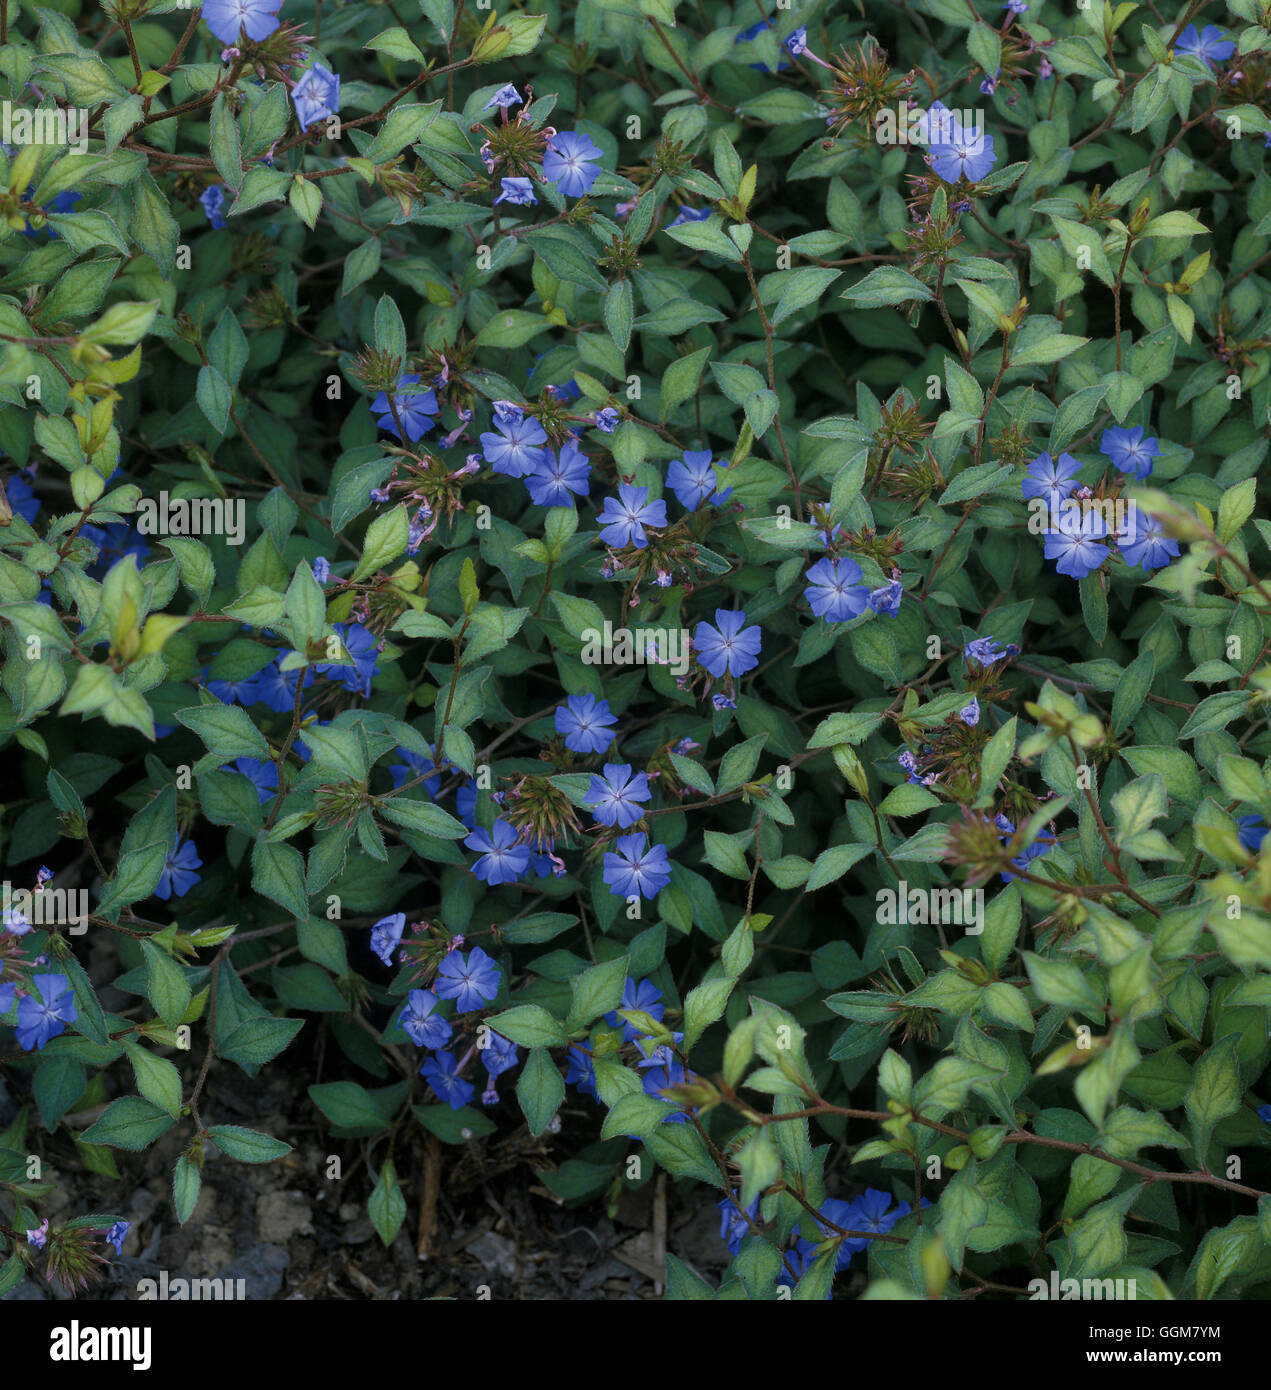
636	1116
397	43
387	1206
247	1145
157	1079
386	539
259	1040
511	328
703	1005
129	1123
166	986
1214	1093
530	1025
186	1182
278	873
888	285
226	730
1060	982
539	1089
349	1106
305	198
596	991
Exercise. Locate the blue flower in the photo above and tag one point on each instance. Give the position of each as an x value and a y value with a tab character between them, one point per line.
662	1078
114	543
797	43
470	981
261	773
555	481
22	499
636	867
46	1016
954	152
613	796
316	96
506	96
569	392
386	935
581	1070
517	447
1050	478
1142	541
984	650
887	598
440	1072
870	1212
835	590
692	479
646	997
276	688
1264	1114
259	18
733	1226
572	162
800	1257
585	722
1211	45
970	714
322	569
748	35
1129	451
6	996
420	1024
178	875
518	191
1042	845
606	420
1074	544
212	200
14	921
240	691
117	1234
910	765
415	409
727	647
416	765
503	858
63	203
1252	832
498	1055
663	1054
687	214
843	1215
361	645
624	518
